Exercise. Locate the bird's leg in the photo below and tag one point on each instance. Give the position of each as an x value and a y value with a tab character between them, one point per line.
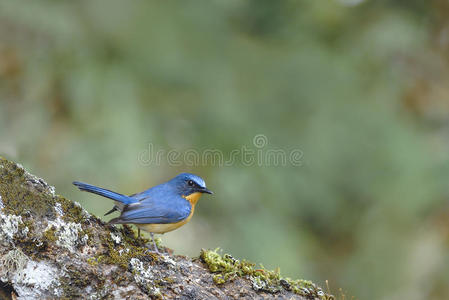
138	232
154	242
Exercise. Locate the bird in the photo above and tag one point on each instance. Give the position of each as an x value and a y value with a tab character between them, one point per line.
159	209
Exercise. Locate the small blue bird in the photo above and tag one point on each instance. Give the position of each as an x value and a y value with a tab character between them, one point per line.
162	208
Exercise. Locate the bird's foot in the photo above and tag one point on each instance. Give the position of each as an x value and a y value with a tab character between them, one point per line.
155	248
149	251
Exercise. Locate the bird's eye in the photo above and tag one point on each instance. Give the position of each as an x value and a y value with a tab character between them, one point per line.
190	183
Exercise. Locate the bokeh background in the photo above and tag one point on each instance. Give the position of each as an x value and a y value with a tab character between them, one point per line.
360	87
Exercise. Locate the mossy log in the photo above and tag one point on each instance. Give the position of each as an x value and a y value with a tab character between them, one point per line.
50	247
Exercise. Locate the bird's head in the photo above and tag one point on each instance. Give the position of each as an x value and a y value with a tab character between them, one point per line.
190	186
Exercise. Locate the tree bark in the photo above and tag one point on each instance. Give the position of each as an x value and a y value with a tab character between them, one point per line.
50	247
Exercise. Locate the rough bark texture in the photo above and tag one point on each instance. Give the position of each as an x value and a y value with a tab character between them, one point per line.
50	247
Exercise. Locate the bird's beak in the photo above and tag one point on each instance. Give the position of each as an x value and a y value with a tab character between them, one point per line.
206	191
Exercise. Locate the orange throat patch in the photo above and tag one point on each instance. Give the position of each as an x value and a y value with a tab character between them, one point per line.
193	198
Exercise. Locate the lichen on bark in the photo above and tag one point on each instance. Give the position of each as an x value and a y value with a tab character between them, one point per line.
50	247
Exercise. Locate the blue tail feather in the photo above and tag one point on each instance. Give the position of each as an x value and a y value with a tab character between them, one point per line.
103	192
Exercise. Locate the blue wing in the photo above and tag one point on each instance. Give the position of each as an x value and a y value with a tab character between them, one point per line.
142	196
155	210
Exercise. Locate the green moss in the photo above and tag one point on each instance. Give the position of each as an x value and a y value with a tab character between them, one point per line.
19	195
31	247
166	280
72	212
50	234
24	194
90	236
122	258
31	198
76	280
92	261
130	236
27	225
129	247
228	268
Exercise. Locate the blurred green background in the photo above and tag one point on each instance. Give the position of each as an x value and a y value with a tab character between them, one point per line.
361	88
